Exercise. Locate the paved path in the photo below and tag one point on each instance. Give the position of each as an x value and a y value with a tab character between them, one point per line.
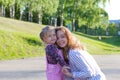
34	68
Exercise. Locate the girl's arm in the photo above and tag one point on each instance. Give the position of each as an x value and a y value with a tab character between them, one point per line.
79	61
65	70
52	55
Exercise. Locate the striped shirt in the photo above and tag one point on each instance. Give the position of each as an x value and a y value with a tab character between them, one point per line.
83	66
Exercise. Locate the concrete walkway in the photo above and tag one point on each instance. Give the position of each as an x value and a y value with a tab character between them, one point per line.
34	68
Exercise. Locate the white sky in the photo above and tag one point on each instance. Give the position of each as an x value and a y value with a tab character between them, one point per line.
113	9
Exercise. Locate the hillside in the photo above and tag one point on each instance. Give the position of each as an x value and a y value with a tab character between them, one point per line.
19	39
107	44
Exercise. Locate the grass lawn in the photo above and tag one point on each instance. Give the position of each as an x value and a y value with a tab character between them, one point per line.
107	44
19	39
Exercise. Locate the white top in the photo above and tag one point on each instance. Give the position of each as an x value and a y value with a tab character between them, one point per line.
83	66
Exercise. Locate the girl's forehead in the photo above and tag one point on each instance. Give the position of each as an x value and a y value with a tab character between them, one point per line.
61	33
50	32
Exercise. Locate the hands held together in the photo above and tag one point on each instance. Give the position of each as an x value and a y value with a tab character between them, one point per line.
66	71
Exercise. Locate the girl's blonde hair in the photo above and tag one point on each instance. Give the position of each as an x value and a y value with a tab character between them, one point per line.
72	42
44	31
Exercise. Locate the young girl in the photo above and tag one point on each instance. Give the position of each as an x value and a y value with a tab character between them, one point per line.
82	64
54	59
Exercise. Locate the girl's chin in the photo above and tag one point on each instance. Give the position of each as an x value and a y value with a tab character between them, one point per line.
62	46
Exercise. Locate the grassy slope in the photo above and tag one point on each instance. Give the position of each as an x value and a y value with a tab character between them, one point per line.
107	45
19	39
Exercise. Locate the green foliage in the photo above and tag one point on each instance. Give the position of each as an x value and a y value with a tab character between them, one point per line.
86	12
118	28
21	40
19	45
112	29
92	31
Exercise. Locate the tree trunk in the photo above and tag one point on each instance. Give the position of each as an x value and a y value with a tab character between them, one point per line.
73	24
20	14
86	29
61	17
30	16
10	11
13	11
61	20
55	24
39	18
3	10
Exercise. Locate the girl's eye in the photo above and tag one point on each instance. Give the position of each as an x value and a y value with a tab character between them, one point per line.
62	36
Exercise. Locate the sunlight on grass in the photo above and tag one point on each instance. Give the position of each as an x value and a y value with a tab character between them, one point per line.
19	39
15	46
96	46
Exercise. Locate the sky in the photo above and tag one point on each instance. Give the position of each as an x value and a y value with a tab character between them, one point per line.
113	9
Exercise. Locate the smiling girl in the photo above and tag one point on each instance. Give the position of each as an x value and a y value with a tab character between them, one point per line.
83	65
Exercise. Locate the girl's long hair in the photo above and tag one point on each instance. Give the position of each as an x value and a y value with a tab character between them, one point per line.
72	43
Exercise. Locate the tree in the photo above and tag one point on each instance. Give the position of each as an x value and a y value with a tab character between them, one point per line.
21	5
112	29
46	7
83	10
60	10
11	5
4	4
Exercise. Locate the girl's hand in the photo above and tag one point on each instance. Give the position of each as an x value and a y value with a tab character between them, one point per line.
66	67
66	71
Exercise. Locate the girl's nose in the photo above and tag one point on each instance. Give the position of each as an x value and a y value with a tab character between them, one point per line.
59	39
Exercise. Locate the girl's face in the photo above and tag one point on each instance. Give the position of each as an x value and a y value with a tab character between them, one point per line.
50	37
61	39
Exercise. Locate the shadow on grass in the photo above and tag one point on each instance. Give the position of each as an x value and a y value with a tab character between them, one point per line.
112	40
33	41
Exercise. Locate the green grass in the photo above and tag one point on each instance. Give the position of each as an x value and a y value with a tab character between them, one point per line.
107	45
19	39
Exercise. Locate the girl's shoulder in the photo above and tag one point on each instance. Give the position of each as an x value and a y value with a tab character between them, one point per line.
51	47
75	51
